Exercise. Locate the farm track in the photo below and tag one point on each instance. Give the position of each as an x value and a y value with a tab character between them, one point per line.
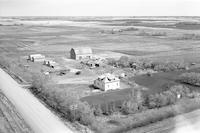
35	114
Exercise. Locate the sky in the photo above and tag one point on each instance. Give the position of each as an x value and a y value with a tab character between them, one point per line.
99	7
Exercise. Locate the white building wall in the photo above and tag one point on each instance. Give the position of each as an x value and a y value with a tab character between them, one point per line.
112	85
38	59
86	56
107	86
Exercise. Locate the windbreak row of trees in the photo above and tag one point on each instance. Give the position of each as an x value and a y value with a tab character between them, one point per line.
66	103
190	78
137	101
125	62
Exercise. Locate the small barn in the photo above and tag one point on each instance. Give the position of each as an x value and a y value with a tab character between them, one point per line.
107	82
36	58
81	53
52	64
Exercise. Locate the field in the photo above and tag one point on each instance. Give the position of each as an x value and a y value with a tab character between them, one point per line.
159	81
162	39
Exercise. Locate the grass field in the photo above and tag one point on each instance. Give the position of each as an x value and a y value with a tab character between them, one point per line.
159	81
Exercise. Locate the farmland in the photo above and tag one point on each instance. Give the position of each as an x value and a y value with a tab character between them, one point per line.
159	81
140	40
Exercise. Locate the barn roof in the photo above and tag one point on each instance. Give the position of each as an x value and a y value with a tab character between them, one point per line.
82	50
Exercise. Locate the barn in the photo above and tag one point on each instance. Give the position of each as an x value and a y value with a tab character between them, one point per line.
107	82
81	53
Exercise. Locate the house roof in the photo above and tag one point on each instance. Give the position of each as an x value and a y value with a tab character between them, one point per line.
108	78
82	50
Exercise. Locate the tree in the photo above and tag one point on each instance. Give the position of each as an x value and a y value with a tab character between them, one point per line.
98	110
111	61
190	78
124	61
134	103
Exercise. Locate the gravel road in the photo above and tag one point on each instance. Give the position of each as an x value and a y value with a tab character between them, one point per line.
35	114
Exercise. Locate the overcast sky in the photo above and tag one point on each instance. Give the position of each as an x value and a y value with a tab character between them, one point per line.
99	7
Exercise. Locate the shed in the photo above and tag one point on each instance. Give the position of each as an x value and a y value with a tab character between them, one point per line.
36	58
81	53
52	64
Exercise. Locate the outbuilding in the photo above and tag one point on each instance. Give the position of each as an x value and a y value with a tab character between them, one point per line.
107	82
81	53
36	58
52	64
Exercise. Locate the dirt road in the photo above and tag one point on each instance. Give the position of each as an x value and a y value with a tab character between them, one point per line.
35	114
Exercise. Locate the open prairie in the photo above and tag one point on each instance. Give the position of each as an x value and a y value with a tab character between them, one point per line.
156	38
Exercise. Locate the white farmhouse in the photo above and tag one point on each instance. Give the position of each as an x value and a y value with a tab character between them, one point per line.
107	82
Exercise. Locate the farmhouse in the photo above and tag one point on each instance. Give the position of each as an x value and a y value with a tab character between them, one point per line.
36	58
81	53
107	82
